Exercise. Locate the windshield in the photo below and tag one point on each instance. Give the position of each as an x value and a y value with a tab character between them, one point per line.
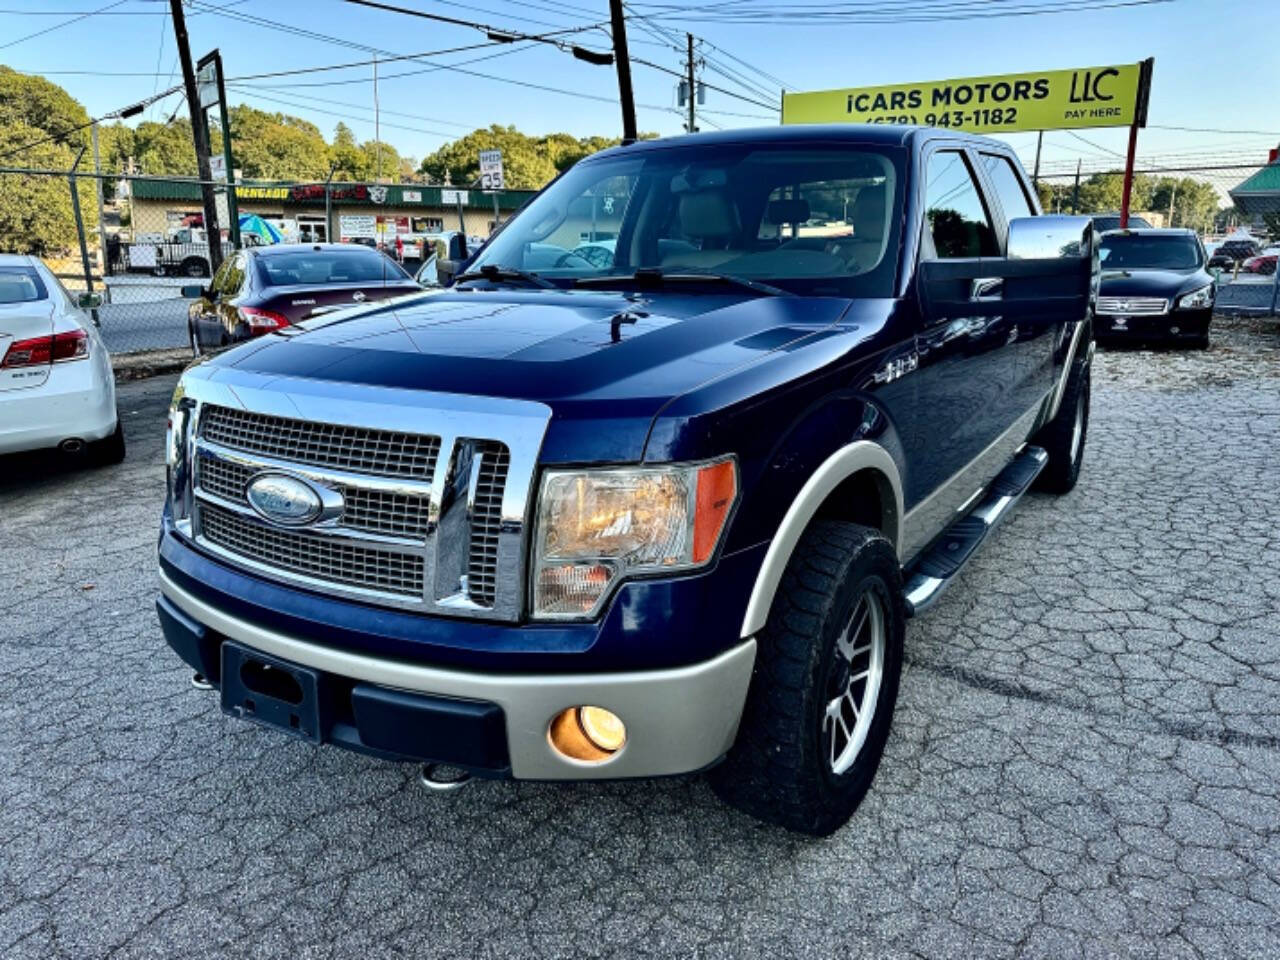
20	285
817	221
319	267
1149	252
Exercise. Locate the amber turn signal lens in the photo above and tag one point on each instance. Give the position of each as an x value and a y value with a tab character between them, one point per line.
717	488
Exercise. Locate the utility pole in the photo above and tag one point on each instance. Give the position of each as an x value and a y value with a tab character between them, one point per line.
622	59
1172	195
199	135
1075	193
1035	174
102	224
693	127
377	124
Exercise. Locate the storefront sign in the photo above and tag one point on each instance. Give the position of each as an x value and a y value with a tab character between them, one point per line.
357	226
1046	100
454	197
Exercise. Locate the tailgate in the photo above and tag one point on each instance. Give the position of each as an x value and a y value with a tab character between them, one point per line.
23	321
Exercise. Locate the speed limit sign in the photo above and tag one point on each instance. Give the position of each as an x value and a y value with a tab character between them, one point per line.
491	170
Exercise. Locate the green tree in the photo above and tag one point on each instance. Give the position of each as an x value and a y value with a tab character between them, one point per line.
1194	203
346	156
42	106
528	162
275	146
37	130
35	211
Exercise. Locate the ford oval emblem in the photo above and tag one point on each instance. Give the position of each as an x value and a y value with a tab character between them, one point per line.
283	499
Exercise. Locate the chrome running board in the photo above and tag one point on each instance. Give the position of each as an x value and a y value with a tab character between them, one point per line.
936	568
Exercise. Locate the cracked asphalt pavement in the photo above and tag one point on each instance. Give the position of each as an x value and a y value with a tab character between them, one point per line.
1084	761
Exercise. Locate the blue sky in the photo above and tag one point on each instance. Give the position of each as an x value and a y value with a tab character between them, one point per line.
1216	61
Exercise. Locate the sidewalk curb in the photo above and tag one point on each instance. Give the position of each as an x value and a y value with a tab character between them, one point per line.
149	363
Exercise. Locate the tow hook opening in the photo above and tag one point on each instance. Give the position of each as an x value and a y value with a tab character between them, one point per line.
443	778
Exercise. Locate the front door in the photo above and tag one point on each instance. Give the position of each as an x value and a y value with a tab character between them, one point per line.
963	377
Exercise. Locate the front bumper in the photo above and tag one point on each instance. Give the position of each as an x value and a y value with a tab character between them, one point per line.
1175	325
678	720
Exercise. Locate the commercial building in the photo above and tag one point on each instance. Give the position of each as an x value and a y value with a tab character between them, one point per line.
357	212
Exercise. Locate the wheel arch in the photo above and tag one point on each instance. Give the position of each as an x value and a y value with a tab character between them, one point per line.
840	488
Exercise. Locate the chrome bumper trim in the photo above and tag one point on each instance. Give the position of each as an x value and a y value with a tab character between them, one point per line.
678	720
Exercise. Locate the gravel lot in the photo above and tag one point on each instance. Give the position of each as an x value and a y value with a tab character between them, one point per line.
1084	763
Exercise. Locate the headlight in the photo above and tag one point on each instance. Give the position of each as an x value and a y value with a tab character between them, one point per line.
175	453
597	527
1197	299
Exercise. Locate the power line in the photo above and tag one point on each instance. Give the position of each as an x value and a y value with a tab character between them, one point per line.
59	26
129	111
728	93
880	13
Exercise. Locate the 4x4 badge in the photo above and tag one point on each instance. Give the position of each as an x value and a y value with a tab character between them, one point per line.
896	368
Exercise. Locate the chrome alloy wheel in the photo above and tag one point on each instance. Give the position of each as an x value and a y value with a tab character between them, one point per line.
1077	429
854	686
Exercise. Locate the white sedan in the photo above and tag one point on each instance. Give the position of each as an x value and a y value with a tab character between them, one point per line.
56	385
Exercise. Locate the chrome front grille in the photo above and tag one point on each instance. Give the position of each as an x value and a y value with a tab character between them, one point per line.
314	556
381	453
375	511
431	521
486	522
1132	306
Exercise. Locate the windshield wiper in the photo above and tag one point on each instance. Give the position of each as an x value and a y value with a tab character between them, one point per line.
653	276
496	274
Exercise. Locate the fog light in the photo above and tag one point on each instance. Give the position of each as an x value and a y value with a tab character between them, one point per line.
602	728
589	734
1174	330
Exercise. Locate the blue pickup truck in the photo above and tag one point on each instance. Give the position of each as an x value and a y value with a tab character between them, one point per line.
647	514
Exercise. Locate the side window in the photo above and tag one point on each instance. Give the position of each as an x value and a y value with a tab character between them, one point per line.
957	219
1008	186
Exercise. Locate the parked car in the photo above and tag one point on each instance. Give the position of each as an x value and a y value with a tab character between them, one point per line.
655	517
1231	252
1102	222
1155	286
1263	263
56	385
264	289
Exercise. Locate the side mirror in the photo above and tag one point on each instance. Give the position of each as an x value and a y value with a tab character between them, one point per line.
446	270
194	292
1052	237
89	301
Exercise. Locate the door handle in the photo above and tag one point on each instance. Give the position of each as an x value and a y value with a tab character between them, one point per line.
984	289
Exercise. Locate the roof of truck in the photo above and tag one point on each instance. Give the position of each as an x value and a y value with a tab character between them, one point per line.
883	134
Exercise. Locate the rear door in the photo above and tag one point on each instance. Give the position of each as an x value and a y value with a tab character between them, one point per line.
26	328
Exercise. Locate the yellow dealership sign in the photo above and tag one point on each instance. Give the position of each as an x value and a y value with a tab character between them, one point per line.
1047	100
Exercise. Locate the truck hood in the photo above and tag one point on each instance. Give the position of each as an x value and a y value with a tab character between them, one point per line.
604	362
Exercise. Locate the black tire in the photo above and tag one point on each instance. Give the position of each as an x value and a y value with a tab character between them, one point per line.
780	769
109	450
193	267
1201	342
1058	436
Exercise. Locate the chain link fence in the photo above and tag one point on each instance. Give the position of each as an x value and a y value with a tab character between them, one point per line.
1242	243
139	240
